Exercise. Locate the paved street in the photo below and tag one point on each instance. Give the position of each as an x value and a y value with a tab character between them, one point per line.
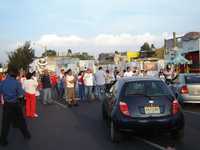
59	127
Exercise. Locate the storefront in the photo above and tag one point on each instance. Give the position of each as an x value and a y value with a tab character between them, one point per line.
194	67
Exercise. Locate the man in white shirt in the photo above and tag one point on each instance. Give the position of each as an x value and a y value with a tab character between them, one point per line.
88	80
70	84
100	80
128	73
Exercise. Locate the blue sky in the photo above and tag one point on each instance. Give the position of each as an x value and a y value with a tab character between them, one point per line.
87	20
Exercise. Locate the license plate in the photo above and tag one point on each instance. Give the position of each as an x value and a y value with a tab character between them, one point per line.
152	110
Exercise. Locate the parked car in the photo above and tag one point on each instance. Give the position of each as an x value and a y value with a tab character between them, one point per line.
142	104
188	86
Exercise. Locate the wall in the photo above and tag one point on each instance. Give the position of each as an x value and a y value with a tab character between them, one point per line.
191	46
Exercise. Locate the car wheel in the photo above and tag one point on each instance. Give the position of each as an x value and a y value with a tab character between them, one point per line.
177	134
115	134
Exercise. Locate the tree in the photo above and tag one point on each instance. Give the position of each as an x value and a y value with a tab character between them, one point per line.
22	57
83	56
159	53
69	52
49	53
145	47
116	52
146	50
152	47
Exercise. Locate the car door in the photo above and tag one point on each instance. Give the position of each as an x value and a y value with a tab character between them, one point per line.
111	98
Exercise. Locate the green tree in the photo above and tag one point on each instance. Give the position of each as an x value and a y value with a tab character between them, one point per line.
146	50
145	47
116	52
22	57
83	56
49	53
153	47
69	52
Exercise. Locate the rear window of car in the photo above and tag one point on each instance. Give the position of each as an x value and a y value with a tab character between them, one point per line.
147	88
192	79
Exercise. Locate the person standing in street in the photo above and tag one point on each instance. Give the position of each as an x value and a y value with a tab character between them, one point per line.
61	84
12	92
100	80
54	84
70	84
46	84
81	88
88	80
128	73
109	79
30	87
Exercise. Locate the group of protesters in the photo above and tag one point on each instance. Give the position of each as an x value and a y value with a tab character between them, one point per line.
87	85
49	87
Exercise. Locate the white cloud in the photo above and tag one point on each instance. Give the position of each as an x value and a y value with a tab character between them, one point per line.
93	45
99	43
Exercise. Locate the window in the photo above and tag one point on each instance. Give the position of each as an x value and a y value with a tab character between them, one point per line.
192	79
147	88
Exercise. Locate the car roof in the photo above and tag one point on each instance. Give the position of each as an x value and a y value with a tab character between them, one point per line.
132	79
186	74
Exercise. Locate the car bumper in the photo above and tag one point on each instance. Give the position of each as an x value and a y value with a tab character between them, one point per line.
190	98
159	124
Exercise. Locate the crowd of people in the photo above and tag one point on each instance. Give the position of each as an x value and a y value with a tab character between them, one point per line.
17	88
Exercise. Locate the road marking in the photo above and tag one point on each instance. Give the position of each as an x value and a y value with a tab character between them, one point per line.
191	112
151	143
62	105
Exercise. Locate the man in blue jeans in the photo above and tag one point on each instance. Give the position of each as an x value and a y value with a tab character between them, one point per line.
46	83
100	80
88	80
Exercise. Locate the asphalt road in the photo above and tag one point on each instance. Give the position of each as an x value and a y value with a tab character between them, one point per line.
80	128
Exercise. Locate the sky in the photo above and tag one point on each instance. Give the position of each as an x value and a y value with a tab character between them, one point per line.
94	25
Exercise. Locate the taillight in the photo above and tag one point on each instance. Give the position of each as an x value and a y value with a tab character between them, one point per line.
124	108
184	90
175	107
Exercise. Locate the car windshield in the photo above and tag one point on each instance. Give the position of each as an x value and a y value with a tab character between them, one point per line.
146	88
192	79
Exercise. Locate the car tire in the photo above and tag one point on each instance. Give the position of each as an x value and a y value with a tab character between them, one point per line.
178	134
115	134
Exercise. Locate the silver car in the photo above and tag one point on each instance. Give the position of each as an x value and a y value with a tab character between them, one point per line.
188	85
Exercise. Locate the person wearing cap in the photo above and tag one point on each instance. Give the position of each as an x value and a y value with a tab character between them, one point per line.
12	92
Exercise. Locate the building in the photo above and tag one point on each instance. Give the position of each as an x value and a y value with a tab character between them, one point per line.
112	58
189	47
106	58
131	56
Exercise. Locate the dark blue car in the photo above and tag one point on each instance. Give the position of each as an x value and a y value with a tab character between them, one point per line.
142	104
